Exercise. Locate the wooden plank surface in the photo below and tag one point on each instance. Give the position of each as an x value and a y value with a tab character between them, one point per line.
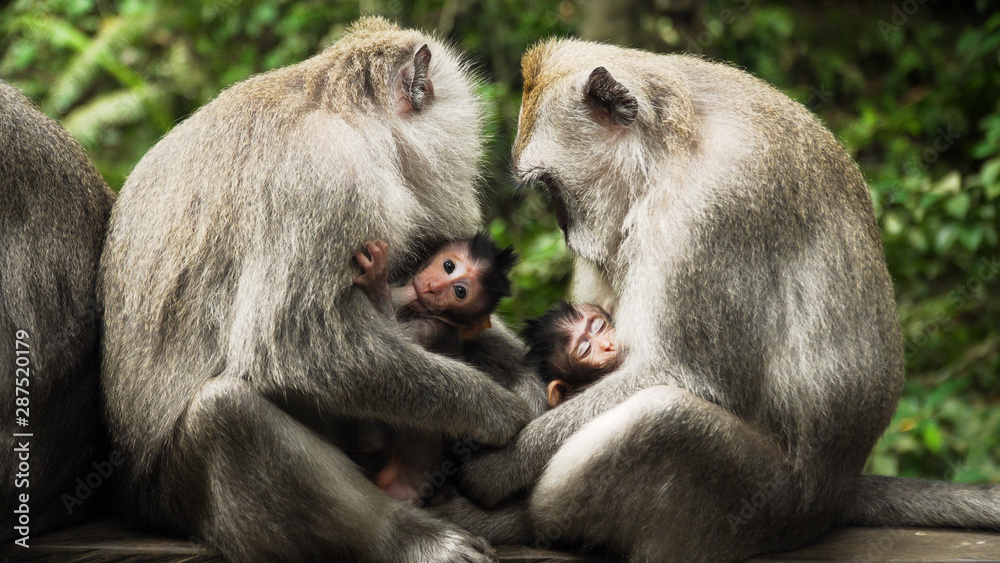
896	544
107	541
114	540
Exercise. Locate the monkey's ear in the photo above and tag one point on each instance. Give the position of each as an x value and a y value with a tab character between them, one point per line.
472	329
610	98
414	87
558	391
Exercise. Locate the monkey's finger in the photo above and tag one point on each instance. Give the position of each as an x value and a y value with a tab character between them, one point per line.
364	261
377	252
484	547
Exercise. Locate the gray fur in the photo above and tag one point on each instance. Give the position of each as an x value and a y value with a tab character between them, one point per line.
54	208
232	316
891	501
734	240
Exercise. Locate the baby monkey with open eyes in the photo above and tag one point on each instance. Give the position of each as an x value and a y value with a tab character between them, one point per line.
448	301
572	347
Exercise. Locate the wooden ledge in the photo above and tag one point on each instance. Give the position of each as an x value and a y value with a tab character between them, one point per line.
116	540
896	544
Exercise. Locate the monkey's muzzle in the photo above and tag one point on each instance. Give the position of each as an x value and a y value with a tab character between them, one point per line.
555	191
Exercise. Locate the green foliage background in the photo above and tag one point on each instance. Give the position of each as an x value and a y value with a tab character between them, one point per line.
911	88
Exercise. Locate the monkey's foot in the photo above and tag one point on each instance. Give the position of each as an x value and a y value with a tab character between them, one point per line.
436	541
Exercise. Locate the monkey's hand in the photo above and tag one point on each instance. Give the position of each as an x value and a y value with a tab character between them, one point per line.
493	476
374	278
503	421
497	475
509	524
373	265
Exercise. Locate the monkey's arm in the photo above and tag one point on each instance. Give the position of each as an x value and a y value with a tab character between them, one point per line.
369	369
499	353
497	475
434	335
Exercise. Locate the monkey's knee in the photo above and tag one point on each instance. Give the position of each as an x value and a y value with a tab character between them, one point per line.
590	450
653	405
219	407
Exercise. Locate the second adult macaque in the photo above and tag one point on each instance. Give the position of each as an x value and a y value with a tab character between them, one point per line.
572	347
449	300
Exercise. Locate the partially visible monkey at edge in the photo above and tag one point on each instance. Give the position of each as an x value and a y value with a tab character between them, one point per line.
54	208
764	352
233	328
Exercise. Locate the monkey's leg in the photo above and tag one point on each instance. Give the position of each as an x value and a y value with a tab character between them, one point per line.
238	465
494	476
667	476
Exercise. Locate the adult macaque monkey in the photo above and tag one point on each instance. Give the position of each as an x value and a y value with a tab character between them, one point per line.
54	209
735	240
231	308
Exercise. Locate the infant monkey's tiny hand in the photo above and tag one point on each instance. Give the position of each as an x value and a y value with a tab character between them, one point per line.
373	263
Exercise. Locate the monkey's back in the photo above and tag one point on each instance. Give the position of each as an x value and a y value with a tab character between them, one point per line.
813	258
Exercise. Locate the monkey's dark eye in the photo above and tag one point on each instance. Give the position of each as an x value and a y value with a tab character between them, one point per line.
460	291
449	266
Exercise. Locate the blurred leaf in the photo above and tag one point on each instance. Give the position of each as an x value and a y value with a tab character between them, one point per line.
930	434
99	53
957	206
950	183
125	106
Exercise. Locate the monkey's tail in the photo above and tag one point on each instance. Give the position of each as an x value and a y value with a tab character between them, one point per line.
894	501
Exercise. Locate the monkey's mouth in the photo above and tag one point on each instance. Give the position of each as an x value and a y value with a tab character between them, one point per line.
418	304
555	191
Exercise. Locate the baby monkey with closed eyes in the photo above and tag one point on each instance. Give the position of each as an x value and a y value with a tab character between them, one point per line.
572	347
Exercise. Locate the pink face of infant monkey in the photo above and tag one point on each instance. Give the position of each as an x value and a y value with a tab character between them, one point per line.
572	346
460	285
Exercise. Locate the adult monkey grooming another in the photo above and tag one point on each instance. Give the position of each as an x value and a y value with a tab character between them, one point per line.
229	293
54	209
735	240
